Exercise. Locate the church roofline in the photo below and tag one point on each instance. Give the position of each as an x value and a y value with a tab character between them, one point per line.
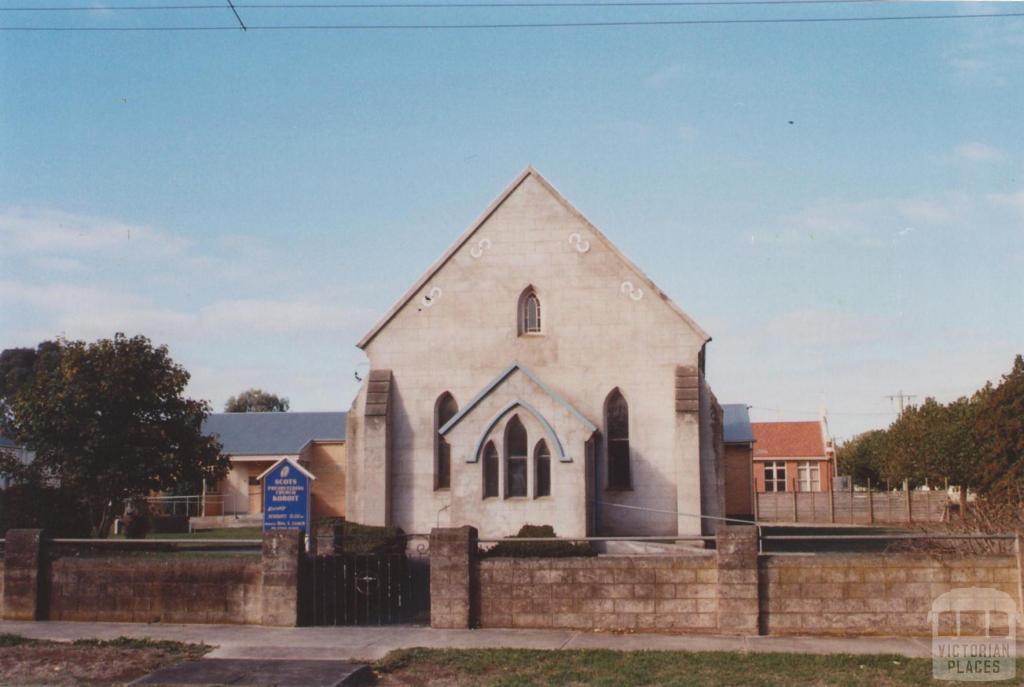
483	393
491	209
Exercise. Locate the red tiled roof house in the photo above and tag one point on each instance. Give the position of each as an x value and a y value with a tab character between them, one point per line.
791	456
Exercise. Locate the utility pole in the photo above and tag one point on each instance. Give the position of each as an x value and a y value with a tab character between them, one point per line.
903	398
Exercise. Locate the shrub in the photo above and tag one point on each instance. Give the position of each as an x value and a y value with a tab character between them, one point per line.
357	538
509	548
137	520
54	509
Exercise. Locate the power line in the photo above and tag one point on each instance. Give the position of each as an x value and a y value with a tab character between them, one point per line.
524	25
435	5
240	22
903	398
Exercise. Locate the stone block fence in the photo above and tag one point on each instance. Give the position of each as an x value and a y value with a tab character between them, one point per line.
731	590
176	588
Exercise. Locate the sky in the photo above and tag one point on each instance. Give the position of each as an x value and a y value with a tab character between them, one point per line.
841	206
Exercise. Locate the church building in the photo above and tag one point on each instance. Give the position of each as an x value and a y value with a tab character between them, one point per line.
534	375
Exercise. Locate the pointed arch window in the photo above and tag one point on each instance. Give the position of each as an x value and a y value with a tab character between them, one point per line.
490	471
444	410
542	466
516	449
529	312
616	421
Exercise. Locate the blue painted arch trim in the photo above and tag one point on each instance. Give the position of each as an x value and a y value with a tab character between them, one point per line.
509	407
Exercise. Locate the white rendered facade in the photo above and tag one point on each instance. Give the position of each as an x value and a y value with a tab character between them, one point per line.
603	326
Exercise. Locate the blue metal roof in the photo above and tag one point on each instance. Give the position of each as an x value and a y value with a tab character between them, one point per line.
736	424
259	434
7	443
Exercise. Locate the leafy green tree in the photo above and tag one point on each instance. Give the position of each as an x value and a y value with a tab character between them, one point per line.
936	443
961	451
913	443
17	367
863	456
109	421
999	427
256	401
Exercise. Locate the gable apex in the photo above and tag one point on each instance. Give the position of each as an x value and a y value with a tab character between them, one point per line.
502	376
526	173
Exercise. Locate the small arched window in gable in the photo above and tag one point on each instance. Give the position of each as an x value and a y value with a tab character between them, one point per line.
542	466
616	418
490	466
516	448
444	410
529	312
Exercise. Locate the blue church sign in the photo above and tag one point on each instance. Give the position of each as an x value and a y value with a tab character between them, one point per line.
286	486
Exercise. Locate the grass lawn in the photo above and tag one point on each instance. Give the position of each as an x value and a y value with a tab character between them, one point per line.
87	662
521	667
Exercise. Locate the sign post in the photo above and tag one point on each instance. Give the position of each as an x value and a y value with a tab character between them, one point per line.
286	487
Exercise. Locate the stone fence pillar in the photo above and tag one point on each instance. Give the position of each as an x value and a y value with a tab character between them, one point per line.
738	595
328	539
452	569
282	556
24	578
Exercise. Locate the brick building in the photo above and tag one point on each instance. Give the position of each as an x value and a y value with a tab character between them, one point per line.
255	441
738	437
792	456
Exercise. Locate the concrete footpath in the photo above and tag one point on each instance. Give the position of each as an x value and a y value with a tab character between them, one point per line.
371	643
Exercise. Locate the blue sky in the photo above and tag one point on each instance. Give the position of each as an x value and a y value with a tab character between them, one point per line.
257	200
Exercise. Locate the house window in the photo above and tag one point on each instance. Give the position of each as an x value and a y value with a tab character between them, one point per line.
808	475
515	458
444	410
775	476
529	312
616	419
490	471
542	464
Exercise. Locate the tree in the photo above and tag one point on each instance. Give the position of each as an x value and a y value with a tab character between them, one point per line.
936	443
256	401
863	457
17	367
108	420
913	442
999	427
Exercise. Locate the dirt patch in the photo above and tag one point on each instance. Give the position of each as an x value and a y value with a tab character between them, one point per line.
88	663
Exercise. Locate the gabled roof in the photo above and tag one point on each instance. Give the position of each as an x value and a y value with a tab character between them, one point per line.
556	442
491	209
736	424
262	434
483	393
291	463
788	440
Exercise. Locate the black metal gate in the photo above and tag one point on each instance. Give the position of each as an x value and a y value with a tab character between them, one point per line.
364	589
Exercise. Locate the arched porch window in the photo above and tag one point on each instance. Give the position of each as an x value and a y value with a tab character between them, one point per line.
490	471
542	467
516	452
